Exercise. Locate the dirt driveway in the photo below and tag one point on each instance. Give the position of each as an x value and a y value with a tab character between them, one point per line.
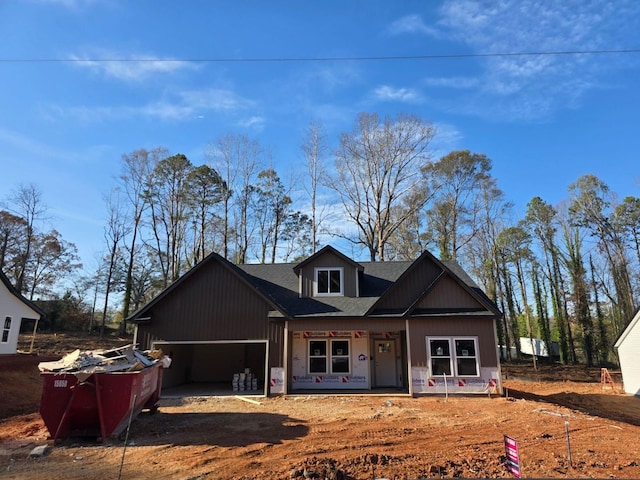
356	437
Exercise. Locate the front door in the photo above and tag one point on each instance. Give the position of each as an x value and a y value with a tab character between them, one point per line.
385	363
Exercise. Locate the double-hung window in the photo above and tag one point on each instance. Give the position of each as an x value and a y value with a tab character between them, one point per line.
6	329
329	281
329	357
466	357
453	356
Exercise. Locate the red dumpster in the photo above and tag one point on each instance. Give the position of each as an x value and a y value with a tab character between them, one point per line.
100	405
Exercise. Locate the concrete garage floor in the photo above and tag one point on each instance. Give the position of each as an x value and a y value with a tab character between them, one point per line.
202	389
222	389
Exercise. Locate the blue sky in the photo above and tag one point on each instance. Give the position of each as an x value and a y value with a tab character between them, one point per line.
544	120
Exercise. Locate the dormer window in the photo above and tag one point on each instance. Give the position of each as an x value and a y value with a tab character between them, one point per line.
329	281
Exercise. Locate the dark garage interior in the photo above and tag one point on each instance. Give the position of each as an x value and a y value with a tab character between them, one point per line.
214	368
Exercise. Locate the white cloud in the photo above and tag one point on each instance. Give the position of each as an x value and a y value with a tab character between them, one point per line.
255	121
321	77
193	103
386	93
72	4
411	24
535	86
216	99
447	138
184	105
14	140
460	83
131	68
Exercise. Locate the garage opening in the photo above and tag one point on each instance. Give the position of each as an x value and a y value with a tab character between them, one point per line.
237	367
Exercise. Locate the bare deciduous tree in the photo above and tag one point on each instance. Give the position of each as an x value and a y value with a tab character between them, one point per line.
114	233
378	166
458	181
167	197
27	203
237	159
314	149
135	178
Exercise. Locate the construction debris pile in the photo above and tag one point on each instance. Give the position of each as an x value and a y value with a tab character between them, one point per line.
122	359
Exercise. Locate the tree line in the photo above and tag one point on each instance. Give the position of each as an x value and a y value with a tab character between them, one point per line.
566	273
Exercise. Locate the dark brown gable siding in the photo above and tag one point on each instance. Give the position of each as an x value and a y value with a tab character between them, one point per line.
409	288
447	294
328	260
212	304
453	327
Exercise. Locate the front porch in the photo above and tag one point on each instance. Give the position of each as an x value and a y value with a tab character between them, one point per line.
345	362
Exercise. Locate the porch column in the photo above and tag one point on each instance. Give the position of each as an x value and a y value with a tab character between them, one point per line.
285	360
408	340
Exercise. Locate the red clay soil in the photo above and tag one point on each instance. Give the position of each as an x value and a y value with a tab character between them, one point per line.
348	437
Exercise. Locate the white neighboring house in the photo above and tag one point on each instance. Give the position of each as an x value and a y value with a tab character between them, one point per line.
628	345
13	309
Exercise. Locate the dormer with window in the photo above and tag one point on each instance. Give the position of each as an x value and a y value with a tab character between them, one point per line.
328	273
328	281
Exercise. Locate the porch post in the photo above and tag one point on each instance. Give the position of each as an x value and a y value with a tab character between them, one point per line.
285	359
135	337
495	335
408	340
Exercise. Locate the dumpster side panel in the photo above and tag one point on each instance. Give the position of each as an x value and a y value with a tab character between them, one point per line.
67	406
100	406
118	391
56	395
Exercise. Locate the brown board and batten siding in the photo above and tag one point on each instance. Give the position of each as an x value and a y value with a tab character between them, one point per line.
327	260
442	326
409	287
214	304
447	294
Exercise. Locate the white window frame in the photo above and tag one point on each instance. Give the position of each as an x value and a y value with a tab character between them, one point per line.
329	356
328	293
453	355
6	329
346	356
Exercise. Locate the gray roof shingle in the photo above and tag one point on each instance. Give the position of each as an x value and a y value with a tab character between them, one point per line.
280	283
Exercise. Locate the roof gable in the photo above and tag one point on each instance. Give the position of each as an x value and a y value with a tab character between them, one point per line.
12	290
431	286
439	298
422	287
629	328
246	280
328	250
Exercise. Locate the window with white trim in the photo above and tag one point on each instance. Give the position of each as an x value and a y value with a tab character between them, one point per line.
329	357
453	356
6	329
328	281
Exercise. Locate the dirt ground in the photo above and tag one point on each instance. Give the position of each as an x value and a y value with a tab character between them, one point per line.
348	437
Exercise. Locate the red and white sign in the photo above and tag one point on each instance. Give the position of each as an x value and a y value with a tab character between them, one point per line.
493	382
462	383
431	382
513	456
